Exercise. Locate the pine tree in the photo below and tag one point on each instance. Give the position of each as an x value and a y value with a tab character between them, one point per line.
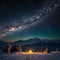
9	48
46	50
19	49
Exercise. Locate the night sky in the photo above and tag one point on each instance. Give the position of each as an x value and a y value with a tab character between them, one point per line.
25	19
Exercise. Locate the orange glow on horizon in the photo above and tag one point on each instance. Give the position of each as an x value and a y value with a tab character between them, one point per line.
30	51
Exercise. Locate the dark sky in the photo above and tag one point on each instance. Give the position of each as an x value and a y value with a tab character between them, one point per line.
25	19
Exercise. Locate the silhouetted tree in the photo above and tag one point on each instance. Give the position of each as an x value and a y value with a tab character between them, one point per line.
9	48
46	50
19	49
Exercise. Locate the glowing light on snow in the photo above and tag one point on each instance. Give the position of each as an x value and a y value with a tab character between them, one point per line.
30	51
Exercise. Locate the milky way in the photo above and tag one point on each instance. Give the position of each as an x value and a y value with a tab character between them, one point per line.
46	9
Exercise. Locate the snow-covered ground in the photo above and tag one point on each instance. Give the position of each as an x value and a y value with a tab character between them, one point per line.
20	56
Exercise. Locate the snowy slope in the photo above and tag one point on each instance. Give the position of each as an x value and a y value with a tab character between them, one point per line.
15	56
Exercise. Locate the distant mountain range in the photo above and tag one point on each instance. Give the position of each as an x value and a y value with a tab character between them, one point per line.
30	41
36	40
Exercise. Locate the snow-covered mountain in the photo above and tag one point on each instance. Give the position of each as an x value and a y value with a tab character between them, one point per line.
30	41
